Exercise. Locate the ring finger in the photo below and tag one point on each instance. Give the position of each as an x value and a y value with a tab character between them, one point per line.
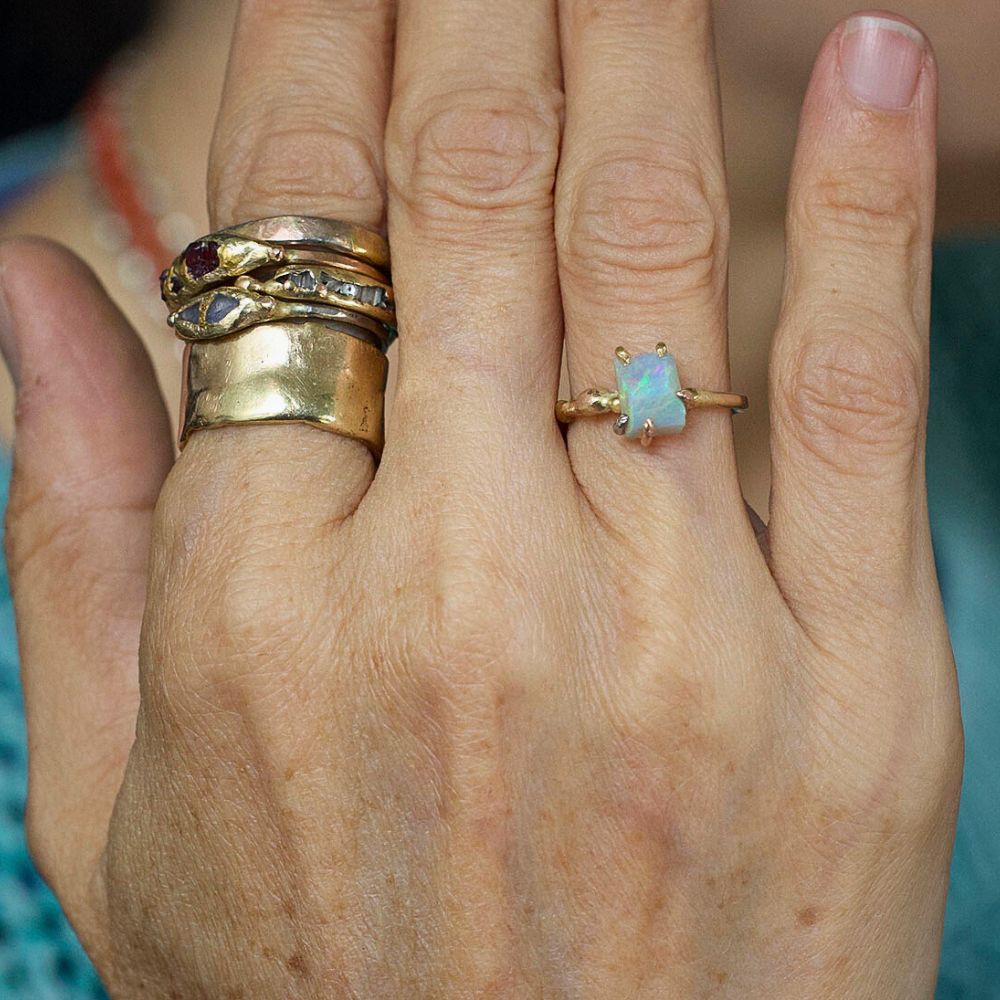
642	230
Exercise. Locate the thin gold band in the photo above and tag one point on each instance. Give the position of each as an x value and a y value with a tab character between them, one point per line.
599	402
243	308
307	231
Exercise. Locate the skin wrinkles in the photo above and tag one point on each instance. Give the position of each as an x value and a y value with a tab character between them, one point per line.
517	712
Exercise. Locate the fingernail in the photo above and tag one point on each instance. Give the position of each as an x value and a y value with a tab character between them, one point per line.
8	338
881	60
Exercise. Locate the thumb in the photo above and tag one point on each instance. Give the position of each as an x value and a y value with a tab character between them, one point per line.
92	448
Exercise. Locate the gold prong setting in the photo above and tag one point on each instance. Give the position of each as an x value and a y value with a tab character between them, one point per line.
649	401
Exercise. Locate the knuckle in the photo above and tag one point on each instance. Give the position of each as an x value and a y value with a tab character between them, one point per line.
460	627
246	655
853	400
261	615
466	626
695	736
232	626
875	776
257	616
455	661
874	207
313	166
634	217
935	782
491	150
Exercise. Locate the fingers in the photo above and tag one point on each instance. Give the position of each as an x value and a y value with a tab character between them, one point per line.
243	526
472	148
642	221
93	445
299	132
303	111
849	369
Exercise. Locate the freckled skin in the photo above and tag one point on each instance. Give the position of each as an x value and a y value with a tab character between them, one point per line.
516	715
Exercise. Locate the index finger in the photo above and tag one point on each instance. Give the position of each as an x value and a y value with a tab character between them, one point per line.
247	508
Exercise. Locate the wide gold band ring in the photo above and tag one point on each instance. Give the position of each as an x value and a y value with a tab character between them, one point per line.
301	372
649	401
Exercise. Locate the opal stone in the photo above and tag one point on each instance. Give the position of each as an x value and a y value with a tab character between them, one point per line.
220	307
648	387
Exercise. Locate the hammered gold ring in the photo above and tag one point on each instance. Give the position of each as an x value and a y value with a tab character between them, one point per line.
302	372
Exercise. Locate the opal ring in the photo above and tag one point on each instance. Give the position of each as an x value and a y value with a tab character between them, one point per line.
649	401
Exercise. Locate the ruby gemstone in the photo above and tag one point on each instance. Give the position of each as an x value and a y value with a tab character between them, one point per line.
201	258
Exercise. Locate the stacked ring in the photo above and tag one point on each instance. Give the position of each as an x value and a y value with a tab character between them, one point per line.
284	319
287	257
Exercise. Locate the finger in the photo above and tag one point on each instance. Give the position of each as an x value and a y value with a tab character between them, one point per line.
642	226
242	533
92	447
472	148
299	132
849	369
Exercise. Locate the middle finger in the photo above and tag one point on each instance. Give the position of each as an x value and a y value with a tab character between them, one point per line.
472	144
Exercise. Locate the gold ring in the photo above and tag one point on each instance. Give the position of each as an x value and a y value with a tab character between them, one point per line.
328	234
287	372
217	260
285	319
649	401
229	309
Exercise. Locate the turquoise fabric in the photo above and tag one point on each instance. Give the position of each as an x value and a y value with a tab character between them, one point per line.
24	159
41	959
964	483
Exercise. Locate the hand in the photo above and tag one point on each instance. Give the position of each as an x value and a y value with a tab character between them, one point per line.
515	717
